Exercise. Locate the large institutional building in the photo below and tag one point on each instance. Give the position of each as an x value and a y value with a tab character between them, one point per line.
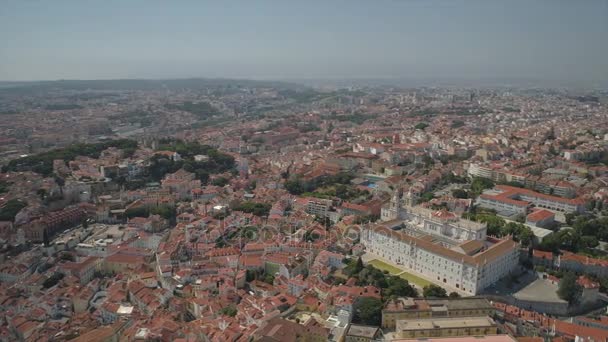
440	245
513	200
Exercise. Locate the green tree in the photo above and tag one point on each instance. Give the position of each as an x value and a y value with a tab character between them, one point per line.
479	184
229	310
367	310
10	209
52	280
294	186
434	291
269	278
398	287
421	125
4	186
220	181
353	267
454	295
41	193
460	193
568	289
425	197
258	209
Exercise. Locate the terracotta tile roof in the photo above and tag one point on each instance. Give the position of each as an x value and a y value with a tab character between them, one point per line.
540	215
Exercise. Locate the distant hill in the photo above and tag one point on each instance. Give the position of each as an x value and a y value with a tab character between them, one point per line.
138	84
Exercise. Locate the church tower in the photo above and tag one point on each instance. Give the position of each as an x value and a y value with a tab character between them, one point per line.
410	199
392	211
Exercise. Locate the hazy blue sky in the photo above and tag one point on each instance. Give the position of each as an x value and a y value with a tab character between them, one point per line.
552	39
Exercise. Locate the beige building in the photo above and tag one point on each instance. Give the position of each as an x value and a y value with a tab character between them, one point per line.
412	308
446	327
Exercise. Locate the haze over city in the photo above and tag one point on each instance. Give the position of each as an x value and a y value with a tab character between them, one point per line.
297	171
548	41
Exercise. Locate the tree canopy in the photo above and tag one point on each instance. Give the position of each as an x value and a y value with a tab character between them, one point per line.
256	208
421	125
479	184
568	289
296	185
367	310
434	291
10	209
42	163
202	109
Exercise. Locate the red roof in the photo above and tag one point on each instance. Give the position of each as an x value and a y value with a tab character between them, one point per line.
540	215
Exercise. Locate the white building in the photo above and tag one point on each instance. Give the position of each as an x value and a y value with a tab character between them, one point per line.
509	199
441	246
470	267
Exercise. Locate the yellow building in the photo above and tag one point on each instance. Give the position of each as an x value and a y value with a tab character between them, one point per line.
446	327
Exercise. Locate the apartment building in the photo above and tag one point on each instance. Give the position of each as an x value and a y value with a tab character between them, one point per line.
509	199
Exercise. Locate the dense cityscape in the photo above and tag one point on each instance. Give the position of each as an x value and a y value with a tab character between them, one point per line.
234	210
304	171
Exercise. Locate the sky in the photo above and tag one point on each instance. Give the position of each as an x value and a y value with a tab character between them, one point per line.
418	39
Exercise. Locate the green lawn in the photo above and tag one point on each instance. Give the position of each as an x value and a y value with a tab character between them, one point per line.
415	279
381	265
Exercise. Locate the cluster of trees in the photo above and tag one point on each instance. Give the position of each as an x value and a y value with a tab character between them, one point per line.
367	310
425	197
42	163
220	181
568	289
229	310
594	205
590	225
202	110
218	162
433	290
189	149
421	125
366	218
460	193
11	208
342	191
584	236
479	184
308	127
497	226
570	240
392	286
4	186
297	186
52	280
256	208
